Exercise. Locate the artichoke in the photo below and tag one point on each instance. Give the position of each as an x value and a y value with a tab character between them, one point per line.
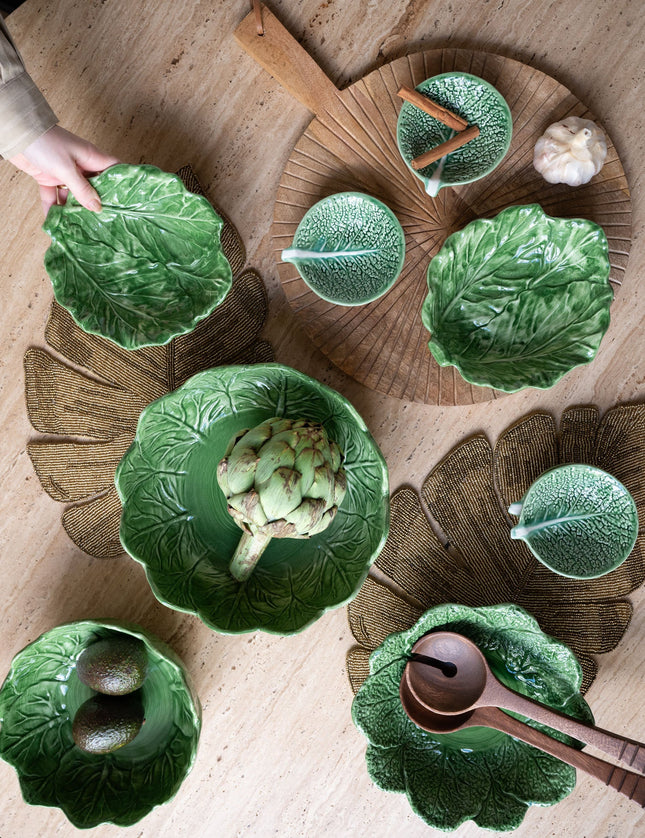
282	479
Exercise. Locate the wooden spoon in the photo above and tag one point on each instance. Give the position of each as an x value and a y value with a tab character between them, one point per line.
472	685
626	782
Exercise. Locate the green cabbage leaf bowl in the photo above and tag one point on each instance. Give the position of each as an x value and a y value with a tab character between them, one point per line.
38	701
477	773
349	248
145	269
175	522
476	101
578	520
520	299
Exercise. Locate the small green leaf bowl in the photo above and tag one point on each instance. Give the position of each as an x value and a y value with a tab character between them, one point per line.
477	773
349	249
520	299
175	522
145	269
476	101
578	520
38	701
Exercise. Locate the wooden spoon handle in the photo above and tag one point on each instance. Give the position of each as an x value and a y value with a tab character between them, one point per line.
291	65
620	747
626	782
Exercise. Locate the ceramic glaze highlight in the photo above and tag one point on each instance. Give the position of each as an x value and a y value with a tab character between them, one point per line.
145	269
476	774
578	520
38	701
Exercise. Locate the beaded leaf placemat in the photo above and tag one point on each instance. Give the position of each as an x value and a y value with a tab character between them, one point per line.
452	544
88	396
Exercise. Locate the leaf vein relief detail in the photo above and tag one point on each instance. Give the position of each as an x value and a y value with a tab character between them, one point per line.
117	271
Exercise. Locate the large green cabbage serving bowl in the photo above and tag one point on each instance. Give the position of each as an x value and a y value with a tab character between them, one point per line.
38	702
175	521
477	773
518	300
145	269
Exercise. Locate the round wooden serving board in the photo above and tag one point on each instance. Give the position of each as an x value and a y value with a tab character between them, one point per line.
351	145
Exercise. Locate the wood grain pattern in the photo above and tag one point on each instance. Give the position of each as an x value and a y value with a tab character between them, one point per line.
351	145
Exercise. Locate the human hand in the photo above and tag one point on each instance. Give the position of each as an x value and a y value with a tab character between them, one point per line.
60	162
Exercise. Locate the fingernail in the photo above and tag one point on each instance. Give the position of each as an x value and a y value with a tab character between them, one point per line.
94	205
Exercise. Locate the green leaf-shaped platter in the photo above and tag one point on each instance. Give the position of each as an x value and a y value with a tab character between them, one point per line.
38	701
578	520
349	248
520	299
476	101
145	269
174	518
475	774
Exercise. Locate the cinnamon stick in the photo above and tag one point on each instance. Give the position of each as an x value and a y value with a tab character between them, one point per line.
438	111
441	150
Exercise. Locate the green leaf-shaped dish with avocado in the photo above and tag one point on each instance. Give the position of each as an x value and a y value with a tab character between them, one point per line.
145	269
477	773
39	700
520	299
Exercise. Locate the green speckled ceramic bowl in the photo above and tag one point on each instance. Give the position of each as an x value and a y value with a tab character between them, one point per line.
578	520
145	269
38	701
518	300
478	773
349	249
175	520
476	101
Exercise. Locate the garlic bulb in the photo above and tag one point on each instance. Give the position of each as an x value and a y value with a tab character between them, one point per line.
571	151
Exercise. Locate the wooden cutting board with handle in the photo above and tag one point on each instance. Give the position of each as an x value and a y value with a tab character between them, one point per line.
350	145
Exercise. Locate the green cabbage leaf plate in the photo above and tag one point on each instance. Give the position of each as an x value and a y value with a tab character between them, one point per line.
477	773
145	269
519	300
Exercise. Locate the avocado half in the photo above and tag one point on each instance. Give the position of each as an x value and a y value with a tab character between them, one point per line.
115	665
105	723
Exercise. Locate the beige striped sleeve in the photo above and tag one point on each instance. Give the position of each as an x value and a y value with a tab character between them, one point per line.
24	112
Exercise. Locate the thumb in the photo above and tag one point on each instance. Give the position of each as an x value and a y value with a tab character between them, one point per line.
83	191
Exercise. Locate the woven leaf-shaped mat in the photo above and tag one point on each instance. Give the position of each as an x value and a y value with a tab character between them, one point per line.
453	543
87	398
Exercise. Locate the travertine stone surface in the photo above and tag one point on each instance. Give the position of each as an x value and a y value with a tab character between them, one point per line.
165	83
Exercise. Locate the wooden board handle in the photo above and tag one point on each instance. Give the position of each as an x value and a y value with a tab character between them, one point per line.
282	56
